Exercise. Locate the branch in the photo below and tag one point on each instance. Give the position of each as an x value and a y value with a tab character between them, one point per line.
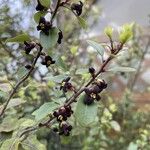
55	11
73	98
24	78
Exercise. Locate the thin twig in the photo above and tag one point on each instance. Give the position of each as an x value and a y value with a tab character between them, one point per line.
55	11
24	78
139	66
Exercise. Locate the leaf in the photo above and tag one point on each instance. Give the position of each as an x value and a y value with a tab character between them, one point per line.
5	87
57	79
32	143
122	69
132	146
10	144
9	124
108	31
19	38
15	102
85	114
82	71
49	41
126	32
82	22
38	15
60	63
44	110
21	72
74	50
115	125
45	3
100	49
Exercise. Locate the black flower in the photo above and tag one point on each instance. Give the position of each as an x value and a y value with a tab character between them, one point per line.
65	128
40	7
28	46
77	8
63	113
66	85
44	26
47	61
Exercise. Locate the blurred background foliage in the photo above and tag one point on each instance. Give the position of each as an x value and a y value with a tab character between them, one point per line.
122	121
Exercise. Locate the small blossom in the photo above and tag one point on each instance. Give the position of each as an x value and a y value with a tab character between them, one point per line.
48	61
77	8
28	46
44	26
40	7
63	113
91	70
66	85
65	128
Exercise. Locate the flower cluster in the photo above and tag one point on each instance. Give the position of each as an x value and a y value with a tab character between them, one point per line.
62	114
92	93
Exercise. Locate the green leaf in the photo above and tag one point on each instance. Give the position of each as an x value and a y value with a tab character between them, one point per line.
45	3
11	144
21	72
108	31
38	15
60	63
9	124
82	22
85	114
74	50
15	102
19	38
132	146
44	110
82	71
49	41
115	125
32	143
100	49
57	79
122	69
126	32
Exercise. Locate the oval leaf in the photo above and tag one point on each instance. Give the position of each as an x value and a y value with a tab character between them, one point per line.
38	15
85	114
82	22
122	69
49	41
100	49
45	3
44	110
19	38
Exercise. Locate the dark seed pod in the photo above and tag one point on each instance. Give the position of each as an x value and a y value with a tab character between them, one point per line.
60	37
